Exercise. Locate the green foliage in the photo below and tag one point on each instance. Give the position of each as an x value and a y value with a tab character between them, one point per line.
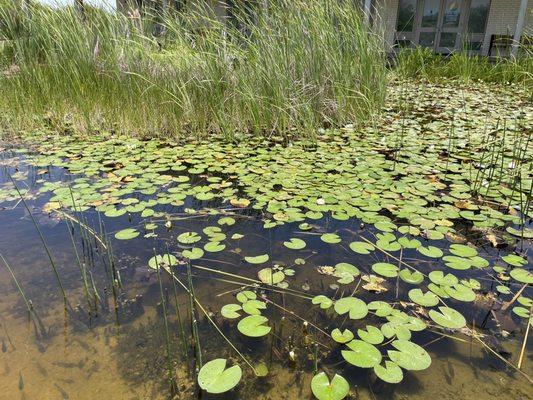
300	64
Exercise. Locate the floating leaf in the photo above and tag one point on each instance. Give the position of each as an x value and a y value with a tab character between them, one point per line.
521	275
226	221
294	244
127	234
409	355
331	238
325	302
215	378
253	326
438	278
430	251
257	259
514	260
412	277
214	247
165	260
342	337
371	335
463	251
448	318
385	269
253	307
271	277
324	390
355	307
246	295
427	299
390	373
189	237
381	308
361	247
230	311
193	254
362	354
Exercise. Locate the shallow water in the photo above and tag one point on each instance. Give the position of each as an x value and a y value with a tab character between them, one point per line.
117	349
124	358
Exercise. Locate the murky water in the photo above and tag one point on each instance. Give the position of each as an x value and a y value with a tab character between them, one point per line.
118	351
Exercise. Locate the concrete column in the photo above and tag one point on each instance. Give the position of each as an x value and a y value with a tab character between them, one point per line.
519	28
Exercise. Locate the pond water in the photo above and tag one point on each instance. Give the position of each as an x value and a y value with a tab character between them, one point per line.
280	225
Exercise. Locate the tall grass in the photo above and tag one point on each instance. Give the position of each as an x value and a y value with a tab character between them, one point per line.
423	63
299	65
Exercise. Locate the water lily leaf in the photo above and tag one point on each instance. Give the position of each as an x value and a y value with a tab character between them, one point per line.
398	329
526	233
381	308
324	390
193	254
254	326
115	212
226	221
253	307
189	237
385	269
412	277
294	244
438	278
257	259
215	378
361	247
460	292
427	299
237	236
522	312
514	260
346	272
230	311
448	318
407	243
271	277
330	238
342	337
409	355
325	302
165	260
362	354
127	234
462	250
246	295
371	335
214	247
390	373
521	275
355	307
430	251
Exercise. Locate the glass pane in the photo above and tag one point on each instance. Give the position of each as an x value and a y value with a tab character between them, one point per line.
427	39
447	39
452	13
406	15
479	9
474	45
430	15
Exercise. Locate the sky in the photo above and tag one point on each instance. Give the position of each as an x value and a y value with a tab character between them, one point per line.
107	4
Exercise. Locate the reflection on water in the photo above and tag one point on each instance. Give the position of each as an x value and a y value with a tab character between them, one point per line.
118	351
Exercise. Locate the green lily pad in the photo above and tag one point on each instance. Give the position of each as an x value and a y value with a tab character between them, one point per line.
385	269
448	318
230	311
438	278
355	307
193	254
430	251
409	355
127	234
427	299
361	247
271	277
325	302
215	378
330	238
323	389
390	373
246	295
521	275
254	326
253	307
342	337
214	247
362	354
412	277
189	237
257	259
463	251
164	260
371	335
514	260
294	244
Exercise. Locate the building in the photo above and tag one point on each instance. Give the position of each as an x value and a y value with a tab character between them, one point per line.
486	27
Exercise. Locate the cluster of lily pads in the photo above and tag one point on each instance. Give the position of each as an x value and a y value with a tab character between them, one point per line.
418	178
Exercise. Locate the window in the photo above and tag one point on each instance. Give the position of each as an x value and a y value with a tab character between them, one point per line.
479	10
406	15
430	16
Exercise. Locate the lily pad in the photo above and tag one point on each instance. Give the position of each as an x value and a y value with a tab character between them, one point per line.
127	234
362	354
271	277
390	373
254	326
193	254
342	336
330	238
294	244
427	299
325	302
230	311
257	259
361	247
448	318
164	260
215	378
355	307
371	335
385	269
323	389
409	355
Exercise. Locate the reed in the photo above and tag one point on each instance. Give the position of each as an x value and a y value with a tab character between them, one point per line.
291	68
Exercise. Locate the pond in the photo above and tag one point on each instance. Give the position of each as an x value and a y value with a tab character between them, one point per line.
395	255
